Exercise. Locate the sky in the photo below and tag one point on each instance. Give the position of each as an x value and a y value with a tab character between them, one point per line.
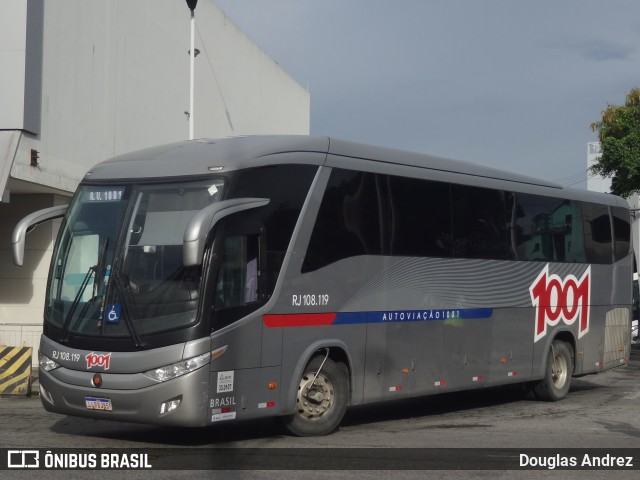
510	84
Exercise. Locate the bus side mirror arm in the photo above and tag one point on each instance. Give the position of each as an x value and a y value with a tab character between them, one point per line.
27	224
195	234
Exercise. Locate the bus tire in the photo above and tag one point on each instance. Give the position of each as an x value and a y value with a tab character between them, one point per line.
320	406
557	380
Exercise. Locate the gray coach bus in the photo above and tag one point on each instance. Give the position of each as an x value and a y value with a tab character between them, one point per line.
217	280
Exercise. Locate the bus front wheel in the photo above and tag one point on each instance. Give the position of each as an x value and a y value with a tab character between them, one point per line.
321	399
557	380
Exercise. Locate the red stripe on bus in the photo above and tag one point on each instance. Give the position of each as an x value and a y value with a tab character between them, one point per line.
298	320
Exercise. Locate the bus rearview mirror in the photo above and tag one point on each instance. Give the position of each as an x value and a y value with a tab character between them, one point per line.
27	224
195	234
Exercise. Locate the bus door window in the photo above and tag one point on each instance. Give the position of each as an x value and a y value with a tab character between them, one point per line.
238	278
240	266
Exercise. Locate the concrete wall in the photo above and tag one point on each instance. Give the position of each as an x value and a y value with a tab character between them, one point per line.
21	60
22	289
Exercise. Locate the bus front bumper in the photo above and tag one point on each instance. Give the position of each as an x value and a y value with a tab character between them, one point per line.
182	401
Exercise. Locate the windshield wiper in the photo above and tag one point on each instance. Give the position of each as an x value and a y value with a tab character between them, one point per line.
100	267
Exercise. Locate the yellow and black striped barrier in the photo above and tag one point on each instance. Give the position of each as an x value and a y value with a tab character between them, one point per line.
15	370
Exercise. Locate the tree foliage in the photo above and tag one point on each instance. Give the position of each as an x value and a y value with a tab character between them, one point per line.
619	134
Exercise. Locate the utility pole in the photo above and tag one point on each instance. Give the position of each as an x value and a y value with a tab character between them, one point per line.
192	53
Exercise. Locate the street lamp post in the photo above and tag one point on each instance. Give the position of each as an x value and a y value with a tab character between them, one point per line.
192	53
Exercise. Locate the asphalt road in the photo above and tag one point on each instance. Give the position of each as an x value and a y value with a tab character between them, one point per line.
602	412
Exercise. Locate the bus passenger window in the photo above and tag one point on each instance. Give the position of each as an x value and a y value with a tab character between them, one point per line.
419	217
548	229
621	232
349	222
479	223
597	233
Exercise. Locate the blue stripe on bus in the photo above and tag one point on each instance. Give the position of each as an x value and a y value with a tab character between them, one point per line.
347	318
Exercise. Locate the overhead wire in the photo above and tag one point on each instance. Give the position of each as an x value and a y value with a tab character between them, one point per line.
215	78
576	178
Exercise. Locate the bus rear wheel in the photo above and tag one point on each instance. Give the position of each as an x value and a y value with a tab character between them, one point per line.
321	399
557	380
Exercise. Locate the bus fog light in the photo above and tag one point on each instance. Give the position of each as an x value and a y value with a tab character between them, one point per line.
170	405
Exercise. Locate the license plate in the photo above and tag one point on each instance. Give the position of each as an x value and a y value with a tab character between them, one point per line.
94	403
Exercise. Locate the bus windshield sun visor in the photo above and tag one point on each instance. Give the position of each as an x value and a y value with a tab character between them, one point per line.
27	224
195	234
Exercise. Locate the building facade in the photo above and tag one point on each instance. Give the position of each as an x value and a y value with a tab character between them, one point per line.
595	183
84	81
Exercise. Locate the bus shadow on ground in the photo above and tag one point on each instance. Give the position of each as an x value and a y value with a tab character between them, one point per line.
436	405
232	434
148	436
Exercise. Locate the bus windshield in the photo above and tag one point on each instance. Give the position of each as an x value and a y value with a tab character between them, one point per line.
117	270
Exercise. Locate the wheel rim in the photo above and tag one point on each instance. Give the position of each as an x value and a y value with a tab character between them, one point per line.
315	398
559	371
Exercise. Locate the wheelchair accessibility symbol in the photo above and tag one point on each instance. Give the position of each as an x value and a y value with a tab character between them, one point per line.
113	313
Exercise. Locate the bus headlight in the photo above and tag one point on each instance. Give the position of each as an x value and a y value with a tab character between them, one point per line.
175	370
46	363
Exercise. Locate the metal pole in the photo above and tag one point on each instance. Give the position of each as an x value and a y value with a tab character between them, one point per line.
192	61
